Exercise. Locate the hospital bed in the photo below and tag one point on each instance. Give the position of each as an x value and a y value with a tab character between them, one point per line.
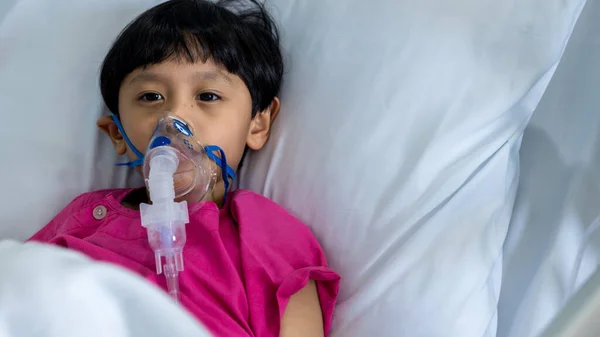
451	149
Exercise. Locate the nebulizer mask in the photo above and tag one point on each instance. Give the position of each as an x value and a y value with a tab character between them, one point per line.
175	165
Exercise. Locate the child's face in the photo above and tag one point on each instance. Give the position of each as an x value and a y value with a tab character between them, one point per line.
217	104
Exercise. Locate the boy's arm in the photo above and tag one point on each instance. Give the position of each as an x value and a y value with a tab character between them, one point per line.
302	316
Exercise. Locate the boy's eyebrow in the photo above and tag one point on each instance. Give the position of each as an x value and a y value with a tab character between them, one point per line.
202	75
212	76
145	76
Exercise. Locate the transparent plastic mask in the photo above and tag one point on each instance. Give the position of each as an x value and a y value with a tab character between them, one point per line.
196	173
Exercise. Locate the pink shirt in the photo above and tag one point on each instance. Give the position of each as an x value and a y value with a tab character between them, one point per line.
242	262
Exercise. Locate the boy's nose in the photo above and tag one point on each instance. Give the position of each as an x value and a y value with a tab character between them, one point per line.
184	111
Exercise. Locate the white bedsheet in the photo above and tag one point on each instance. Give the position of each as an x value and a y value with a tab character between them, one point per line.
559	191
51	292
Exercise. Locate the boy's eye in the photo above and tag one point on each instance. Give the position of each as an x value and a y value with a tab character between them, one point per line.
208	97
151	97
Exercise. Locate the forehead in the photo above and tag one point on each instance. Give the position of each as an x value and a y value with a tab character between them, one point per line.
175	71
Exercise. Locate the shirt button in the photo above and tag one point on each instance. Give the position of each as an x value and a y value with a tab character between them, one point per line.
99	212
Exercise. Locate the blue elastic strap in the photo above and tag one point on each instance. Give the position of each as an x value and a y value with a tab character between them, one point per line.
134	163
226	170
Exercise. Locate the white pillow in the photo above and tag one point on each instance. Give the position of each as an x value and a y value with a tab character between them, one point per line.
50	55
398	144
559	194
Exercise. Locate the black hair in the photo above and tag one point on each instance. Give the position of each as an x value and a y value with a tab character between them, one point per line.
237	35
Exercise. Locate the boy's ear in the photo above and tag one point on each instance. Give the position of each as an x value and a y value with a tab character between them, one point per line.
260	126
108	126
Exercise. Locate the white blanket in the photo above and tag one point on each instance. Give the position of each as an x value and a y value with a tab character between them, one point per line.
48	291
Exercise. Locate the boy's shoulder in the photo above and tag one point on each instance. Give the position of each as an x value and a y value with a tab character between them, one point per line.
263	219
70	216
241	195
90	198
249	201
